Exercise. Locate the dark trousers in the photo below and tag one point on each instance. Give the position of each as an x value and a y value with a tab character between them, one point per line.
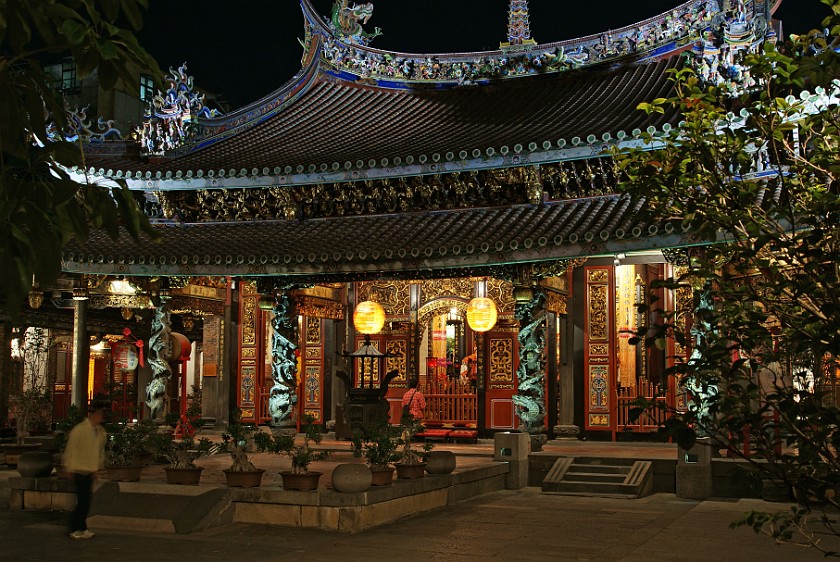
84	494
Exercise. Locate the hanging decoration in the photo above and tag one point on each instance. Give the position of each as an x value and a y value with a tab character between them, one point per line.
368	318
481	314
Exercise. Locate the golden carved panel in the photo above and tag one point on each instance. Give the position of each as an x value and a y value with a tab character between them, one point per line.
436	288
313	352
249	352
555	302
248	288
502	293
249	320
599	420
392	295
501	360
320	308
598	276
399	350
598	349
313	330
598	320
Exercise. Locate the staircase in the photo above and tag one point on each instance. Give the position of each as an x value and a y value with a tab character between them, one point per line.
626	478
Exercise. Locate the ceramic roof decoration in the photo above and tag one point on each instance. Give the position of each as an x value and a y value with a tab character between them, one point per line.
362	136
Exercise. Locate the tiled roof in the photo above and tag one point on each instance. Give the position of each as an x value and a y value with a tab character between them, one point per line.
336	125
372	246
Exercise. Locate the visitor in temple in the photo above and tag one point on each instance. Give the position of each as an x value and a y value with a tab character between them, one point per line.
413	401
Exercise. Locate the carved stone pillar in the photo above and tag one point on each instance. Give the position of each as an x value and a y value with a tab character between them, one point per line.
159	354
81	355
283	394
529	399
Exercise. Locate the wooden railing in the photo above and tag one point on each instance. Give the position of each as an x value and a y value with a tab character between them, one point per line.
650	419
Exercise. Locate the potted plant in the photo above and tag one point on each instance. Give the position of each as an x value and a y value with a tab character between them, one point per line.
380	449
32	406
412	461
236	441
124	450
300	477
181	455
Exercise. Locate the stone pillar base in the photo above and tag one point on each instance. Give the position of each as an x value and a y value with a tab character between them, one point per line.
565	431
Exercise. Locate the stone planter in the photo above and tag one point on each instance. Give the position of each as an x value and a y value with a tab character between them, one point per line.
244	478
35	464
351	478
13	451
123	473
441	462
381	476
187	476
775	490
411	471
304	481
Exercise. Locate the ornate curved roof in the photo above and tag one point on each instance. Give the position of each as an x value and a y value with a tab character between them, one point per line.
334	129
364	247
349	115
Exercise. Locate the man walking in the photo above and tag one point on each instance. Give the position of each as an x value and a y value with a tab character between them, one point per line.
84	455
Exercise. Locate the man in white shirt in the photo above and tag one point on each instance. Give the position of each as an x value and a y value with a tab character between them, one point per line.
83	457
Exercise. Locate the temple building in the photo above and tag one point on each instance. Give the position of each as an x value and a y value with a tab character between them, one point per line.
425	183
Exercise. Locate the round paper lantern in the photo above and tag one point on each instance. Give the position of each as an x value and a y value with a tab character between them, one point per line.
368	318
481	314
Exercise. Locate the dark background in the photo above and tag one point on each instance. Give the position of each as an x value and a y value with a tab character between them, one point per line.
243	50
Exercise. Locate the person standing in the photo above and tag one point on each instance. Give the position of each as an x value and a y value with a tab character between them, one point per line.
413	401
83	457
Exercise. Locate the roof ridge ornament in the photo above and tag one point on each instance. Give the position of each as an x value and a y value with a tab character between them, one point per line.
346	21
739	27
519	25
170	119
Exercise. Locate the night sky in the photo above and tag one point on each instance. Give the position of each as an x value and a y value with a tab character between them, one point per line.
245	50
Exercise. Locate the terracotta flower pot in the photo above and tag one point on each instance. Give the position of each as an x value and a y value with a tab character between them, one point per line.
304	481
123	473
411	471
382	476
244	478
188	476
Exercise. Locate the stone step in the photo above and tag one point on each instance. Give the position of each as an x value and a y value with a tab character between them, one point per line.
602	468
593	477
160	508
568	476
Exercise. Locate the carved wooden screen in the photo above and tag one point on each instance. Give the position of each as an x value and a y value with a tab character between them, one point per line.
313	368
502	358
599	349
249	393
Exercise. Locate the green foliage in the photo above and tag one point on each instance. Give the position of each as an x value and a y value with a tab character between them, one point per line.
126	443
301	455
63	428
412	453
765	318
41	207
193	411
379	445
237	440
180	452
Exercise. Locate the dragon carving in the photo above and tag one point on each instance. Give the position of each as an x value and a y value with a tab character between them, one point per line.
529	399
282	397
347	20
159	352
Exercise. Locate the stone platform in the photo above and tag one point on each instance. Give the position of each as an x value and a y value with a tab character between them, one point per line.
151	505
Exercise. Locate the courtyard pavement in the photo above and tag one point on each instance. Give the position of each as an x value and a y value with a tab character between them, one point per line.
506	525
